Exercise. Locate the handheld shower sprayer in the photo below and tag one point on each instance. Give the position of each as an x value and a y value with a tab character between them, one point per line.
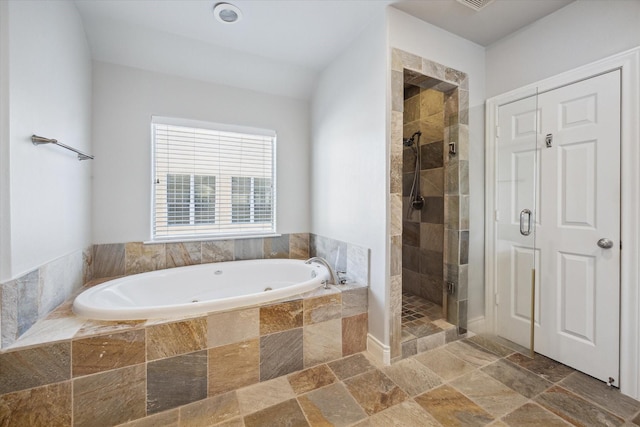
416	199
408	142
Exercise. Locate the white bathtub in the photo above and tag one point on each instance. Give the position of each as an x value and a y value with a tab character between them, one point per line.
198	289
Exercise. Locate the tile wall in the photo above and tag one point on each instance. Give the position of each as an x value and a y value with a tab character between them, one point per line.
34	295
113	372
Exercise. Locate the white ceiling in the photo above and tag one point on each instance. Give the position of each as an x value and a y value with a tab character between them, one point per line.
280	45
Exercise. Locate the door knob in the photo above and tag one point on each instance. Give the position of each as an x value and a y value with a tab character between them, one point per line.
605	243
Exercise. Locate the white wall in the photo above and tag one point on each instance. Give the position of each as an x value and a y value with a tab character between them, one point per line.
349	160
124	99
580	33
46	189
420	38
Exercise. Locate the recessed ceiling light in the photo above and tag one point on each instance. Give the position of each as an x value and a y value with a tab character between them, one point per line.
227	13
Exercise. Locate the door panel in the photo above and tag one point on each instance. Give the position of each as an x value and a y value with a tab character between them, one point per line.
576	185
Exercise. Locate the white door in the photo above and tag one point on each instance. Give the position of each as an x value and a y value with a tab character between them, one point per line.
576	203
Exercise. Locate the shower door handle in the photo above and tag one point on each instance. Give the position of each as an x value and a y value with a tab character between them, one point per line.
525	213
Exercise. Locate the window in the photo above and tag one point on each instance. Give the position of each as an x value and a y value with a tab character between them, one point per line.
211	180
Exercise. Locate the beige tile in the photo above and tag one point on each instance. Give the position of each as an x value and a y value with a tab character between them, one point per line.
184	253
348	367
532	415
233	366
108	260
443	363
106	352
176	338
263	395
331	406
110	398
163	419
323	308
412	376
431	342
322	342
354	301
281	317
474	356
493	396
431	102
576	410
210	411
396	214
49	405
49	330
218	251
405	414
92	328
233	326
23	369
411	109
287	413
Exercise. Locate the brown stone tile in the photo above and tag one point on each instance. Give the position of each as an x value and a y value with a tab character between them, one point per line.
183	253
210	411
331	406
374	391
599	393
233	366
532	415
520	380
281	317
323	308
233	326
42	365
108	260
283	414
443	363
322	342
163	419
106	352
171	339
311	379
548	369
490	344
452	408
473	355
281	353
574	409
412	376
140	258
235	422
354	334
493	396
49	405
262	395
405	414
109	398
351	366
354	301
636	420
299	246
176	381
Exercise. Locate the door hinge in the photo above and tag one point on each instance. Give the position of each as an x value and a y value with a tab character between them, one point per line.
497	299
496	215
620	244
497	131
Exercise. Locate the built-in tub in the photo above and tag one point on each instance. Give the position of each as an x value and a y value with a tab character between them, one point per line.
198	289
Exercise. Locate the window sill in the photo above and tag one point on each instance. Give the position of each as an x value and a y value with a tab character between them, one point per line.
204	238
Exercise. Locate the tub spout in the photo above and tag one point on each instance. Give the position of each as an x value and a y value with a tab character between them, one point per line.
333	279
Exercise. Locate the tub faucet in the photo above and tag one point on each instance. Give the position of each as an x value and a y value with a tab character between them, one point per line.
333	279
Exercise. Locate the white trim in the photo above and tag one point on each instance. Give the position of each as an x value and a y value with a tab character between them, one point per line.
629	64
380	352
477	325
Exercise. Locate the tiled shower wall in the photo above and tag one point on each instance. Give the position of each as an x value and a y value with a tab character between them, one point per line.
428	74
33	296
423	230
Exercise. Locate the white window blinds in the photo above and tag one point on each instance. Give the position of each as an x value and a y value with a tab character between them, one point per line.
211	180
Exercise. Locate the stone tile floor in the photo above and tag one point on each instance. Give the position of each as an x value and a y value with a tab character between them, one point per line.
475	381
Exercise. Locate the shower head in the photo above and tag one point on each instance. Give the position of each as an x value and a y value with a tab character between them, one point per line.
408	142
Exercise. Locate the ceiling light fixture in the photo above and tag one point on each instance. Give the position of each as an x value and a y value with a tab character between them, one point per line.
227	13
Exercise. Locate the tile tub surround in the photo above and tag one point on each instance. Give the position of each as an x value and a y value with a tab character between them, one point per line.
107	373
455	85
32	296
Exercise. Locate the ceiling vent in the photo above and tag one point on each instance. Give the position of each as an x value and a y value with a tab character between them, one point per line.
476	4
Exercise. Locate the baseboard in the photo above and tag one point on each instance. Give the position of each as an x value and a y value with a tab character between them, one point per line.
379	351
